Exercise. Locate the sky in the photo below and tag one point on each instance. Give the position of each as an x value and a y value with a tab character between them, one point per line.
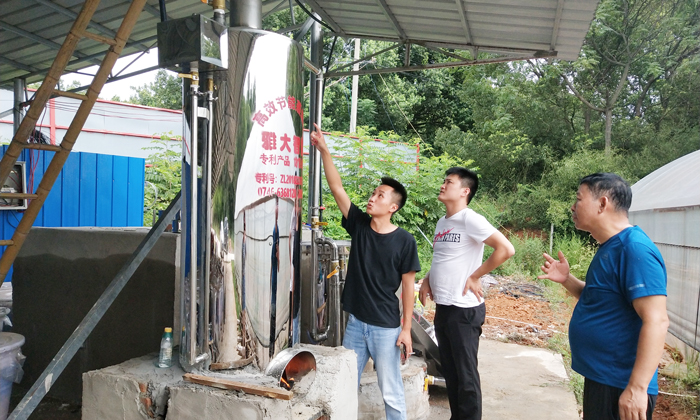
121	88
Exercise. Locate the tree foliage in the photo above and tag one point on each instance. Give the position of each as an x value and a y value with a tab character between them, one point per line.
164	92
163	177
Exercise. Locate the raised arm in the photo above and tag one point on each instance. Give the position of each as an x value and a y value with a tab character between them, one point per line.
332	176
558	271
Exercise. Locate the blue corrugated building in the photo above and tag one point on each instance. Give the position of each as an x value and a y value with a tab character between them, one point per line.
102	183
92	190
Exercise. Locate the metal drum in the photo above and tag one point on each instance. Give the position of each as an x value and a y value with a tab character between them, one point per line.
255	204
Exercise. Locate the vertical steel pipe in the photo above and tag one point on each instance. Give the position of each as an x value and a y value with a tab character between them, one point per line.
207	231
315	106
246	13
333	298
194	87
16	108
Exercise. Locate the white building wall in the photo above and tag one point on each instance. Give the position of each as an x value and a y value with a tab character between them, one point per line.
112	128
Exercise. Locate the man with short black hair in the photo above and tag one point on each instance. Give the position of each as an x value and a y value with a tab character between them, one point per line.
453	282
618	328
382	258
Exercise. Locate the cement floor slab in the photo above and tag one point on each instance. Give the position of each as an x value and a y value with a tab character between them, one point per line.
517	383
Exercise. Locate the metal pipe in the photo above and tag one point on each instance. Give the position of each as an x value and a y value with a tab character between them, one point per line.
246	13
315	105
163	12
448	64
311	67
194	86
334	295
183	334
207	205
291	12
219	7
315	334
17	108
355	84
434	380
317	155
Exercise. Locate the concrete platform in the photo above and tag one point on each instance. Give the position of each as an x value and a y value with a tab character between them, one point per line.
137	389
517	383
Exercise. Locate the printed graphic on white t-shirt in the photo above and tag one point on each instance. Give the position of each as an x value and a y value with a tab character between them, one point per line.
458	250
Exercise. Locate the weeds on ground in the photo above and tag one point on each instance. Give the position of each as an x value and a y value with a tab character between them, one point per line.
560	344
686	384
528	256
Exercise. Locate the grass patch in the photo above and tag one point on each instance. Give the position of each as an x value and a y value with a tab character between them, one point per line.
527	259
560	344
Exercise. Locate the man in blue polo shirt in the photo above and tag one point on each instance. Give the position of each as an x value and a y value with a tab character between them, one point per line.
618	328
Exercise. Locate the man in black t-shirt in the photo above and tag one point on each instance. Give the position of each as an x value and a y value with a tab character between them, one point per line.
382	258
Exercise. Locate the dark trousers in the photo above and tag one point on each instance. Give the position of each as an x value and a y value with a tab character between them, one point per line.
457	331
601	402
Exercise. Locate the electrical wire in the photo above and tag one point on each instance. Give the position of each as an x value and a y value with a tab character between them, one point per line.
311	15
111	112
330	55
399	106
382	101
14	214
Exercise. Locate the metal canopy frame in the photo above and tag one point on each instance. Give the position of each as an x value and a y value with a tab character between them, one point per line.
506	30
513	55
31	33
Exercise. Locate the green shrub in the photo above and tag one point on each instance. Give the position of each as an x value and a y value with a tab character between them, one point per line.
163	173
527	259
577	251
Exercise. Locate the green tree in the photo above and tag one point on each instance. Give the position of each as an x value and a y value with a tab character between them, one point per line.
521	120
632	47
163	176
164	92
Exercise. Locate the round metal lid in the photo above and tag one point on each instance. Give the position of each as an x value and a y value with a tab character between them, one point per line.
10	341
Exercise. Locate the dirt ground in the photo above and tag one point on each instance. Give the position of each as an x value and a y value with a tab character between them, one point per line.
520	312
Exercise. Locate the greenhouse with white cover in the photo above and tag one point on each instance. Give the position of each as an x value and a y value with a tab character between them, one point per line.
666	205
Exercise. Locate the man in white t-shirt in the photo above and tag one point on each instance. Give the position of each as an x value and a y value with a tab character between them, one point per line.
453	282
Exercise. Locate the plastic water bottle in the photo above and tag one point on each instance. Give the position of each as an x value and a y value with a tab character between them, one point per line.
165	358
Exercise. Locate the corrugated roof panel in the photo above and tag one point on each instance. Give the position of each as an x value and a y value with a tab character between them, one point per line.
513	24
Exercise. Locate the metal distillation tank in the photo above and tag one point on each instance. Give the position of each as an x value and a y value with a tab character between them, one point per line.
242	216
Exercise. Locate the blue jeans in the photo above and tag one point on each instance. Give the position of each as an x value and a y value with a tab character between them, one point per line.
380	343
